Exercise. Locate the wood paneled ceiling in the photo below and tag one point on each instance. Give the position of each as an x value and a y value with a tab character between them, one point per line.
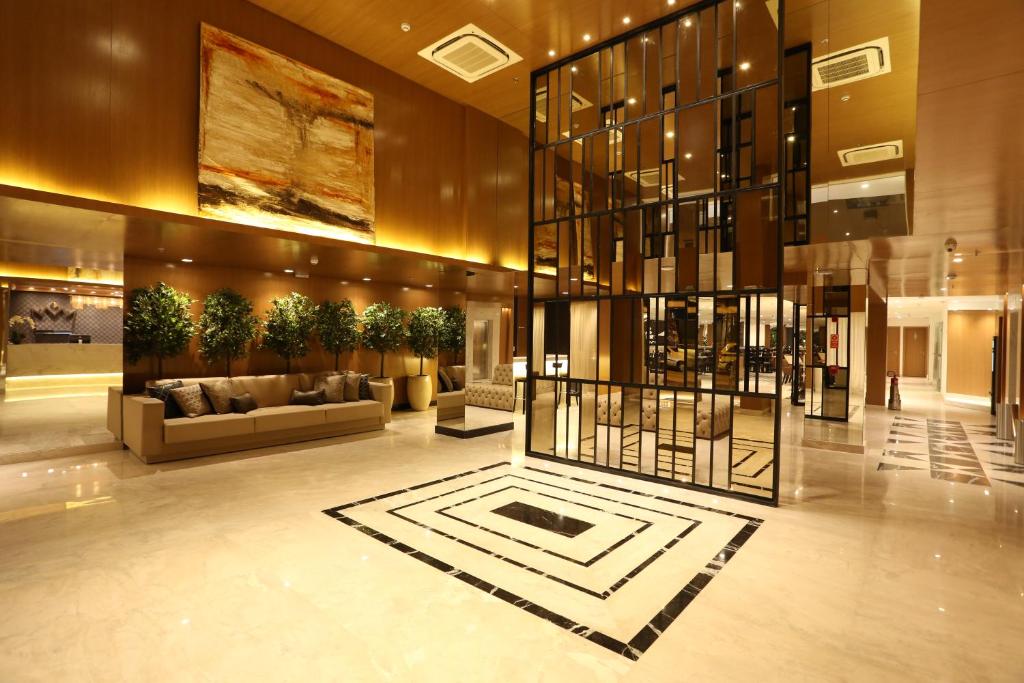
877	110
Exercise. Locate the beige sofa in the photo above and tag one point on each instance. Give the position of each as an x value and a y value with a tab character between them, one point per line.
497	392
154	439
649	414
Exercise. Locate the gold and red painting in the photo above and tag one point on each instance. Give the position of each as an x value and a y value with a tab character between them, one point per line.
282	145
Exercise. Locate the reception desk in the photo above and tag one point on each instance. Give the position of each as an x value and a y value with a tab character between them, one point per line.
28	360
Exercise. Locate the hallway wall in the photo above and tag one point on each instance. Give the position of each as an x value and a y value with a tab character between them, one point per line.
969	352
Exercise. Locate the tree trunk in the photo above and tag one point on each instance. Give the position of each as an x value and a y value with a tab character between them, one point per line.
421	365
337	355
381	364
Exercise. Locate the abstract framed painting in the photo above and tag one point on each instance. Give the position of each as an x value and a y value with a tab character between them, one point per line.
282	145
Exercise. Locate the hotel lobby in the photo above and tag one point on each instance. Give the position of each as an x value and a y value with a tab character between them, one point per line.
477	341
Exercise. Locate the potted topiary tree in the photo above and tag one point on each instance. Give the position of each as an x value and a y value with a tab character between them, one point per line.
453	335
226	327
290	323
426	325
158	323
337	325
383	329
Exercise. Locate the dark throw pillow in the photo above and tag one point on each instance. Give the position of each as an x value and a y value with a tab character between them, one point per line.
333	387
364	388
444	383
243	403
163	392
308	398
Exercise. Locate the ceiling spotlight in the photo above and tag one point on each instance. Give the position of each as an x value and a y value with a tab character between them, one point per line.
835	210
572	69
688	155
186	260
671	2
586	37
790	138
958	259
625	20
313	260
551	53
670	134
429	286
405	26
631	100
847	234
844	98
366	279
405	289
344	282
744	66
865	186
687	22
288	270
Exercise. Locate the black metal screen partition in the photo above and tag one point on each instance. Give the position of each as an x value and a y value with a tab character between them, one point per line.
654	341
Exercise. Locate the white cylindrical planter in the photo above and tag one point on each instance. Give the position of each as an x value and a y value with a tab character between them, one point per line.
419	388
386	380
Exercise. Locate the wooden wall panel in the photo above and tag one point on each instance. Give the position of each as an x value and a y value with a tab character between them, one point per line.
969	352
261	289
876	342
101	98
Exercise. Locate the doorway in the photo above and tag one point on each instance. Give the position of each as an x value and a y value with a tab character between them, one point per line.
915	352
894	349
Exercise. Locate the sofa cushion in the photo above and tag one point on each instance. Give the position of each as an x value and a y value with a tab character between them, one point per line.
333	387
308	381
267	390
490	395
503	374
308	398
162	391
353	410
275	418
244	403
182	429
191	401
352	386
219	396
444	383
457	374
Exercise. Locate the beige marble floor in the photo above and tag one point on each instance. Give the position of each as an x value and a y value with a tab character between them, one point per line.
34	426
225	569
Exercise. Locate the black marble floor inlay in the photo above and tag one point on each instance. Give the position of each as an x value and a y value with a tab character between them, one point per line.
547	520
632	646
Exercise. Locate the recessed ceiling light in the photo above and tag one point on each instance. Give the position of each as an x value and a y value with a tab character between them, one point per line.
688	155
958	254
565	293
429	286
405	289
865	186
670	134
844	98
687	22
835	210
551	53
671	2
572	69
288	270
744	66
791	138
958	259
344	282
625	20
586	37
405	26
573	279
515	286
631	100
186	260
366	279
847	234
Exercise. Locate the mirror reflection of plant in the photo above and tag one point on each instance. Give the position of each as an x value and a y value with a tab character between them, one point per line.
337	326
383	329
158	322
17	323
426	327
290	323
453	336
226	327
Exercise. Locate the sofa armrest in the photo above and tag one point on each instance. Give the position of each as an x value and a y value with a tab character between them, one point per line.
143	425
385	393
115	424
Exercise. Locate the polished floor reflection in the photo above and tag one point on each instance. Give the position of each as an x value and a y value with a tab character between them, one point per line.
226	568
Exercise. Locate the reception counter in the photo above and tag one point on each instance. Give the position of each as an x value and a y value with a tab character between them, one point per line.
27	360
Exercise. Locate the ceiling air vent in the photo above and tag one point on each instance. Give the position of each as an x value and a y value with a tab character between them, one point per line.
470	54
852	64
869	154
578	102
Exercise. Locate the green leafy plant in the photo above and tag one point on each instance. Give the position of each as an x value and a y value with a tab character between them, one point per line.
337	326
453	335
426	326
18	324
158	323
226	327
383	329
289	325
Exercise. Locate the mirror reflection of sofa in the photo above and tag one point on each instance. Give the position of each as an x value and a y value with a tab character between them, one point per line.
153	437
497	392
